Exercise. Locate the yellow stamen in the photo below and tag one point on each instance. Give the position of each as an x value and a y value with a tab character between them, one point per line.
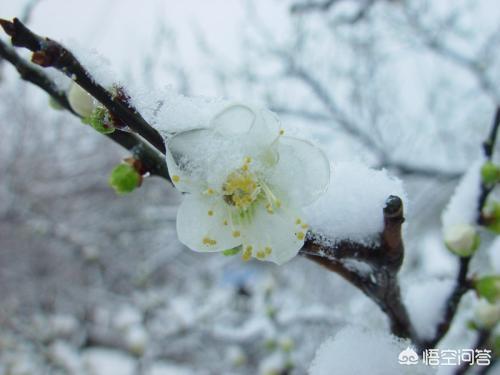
225	222
300	235
210	213
282	132
176	178
236	233
209	191
247	254
261	255
268	250
305	226
208	241
298	221
248	160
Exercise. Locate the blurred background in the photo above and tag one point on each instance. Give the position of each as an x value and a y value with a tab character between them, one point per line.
93	283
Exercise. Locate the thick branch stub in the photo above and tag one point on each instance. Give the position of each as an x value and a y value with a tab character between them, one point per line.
385	260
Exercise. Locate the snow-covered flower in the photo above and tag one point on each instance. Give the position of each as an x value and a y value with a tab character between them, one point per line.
80	100
246	184
461	239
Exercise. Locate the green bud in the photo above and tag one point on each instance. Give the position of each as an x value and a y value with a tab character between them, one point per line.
231	252
490	173
100	121
488	287
270	345
287	345
124	179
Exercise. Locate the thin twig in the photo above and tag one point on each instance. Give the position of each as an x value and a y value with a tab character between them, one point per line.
49	53
152	160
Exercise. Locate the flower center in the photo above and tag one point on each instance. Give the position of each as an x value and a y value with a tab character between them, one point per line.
241	189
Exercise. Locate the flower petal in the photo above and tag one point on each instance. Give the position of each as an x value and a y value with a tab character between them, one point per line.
201	158
249	125
302	173
275	237
201	224
234	119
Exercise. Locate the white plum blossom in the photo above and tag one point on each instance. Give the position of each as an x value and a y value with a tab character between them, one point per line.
80	100
247	184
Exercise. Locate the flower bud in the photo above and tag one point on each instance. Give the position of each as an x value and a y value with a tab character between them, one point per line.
100	120
461	239
80	100
486	314
124	179
490	173
488	287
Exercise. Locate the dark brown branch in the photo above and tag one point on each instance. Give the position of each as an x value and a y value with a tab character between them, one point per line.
385	260
462	285
151	159
49	53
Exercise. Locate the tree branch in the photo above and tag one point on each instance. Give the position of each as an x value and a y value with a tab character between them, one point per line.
381	285
152	160
49	53
463	284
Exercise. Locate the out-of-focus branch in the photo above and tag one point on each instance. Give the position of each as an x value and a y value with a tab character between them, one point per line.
384	260
311	6
49	53
365	137
151	159
431	41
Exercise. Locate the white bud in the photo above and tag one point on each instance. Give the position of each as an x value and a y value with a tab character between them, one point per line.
137	339
461	239
486	314
80	100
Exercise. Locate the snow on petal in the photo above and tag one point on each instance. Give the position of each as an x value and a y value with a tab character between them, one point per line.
202	224
303	168
234	119
275	236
